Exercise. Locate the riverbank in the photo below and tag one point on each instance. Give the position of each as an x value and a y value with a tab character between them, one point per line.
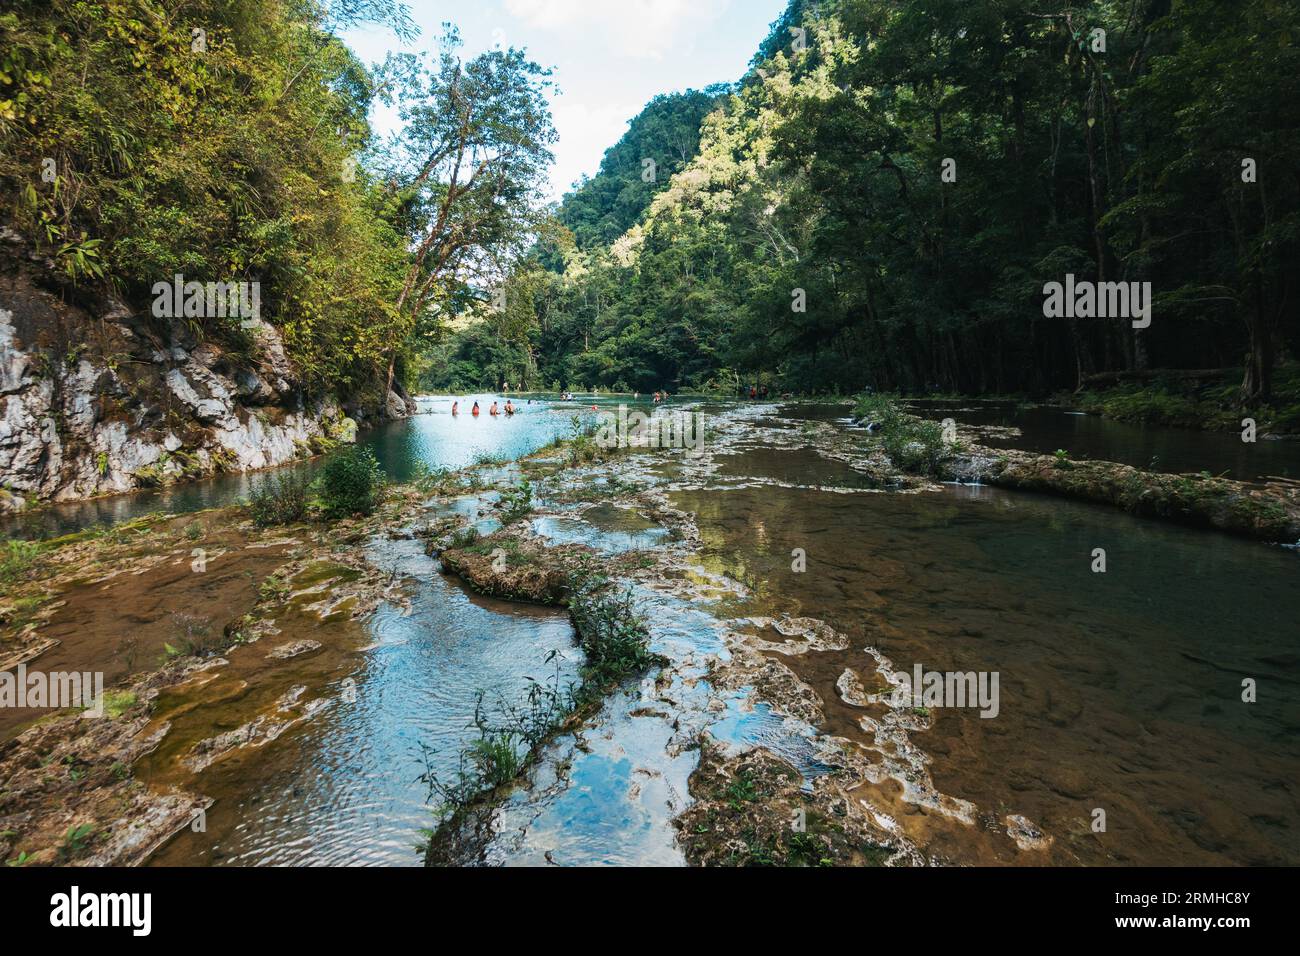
99	397
1206	401
160	606
1269	513
1266	511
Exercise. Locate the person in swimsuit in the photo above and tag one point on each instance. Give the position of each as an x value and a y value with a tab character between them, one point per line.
493	409
510	409
455	408
475	411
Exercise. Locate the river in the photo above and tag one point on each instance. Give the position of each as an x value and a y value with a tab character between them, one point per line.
1120	691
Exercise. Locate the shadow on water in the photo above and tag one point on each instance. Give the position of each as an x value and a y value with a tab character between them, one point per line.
1044	429
1119	690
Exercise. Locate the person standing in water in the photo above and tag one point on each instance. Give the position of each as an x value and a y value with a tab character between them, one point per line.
475	411
510	409
493	410
455	408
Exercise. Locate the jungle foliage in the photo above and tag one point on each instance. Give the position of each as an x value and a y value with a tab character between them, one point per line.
229	140
1103	138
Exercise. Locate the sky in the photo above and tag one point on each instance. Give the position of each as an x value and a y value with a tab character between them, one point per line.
610	57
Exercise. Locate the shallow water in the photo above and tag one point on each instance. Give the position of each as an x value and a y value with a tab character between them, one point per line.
605	528
1119	691
433	438
342	787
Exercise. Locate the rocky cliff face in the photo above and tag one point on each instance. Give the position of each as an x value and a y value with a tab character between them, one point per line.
95	399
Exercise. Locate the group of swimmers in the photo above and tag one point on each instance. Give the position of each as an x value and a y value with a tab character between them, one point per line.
509	409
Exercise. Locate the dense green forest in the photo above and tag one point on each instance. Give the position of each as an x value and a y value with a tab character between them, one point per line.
500	343
814	240
878	202
229	140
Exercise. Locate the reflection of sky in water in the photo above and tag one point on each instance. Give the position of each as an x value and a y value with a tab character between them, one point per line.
433	438
576	531
631	775
746	723
347	792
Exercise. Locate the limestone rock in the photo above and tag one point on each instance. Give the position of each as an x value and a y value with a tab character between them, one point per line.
132	406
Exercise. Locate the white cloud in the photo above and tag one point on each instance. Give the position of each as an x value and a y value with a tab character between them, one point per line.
646	29
585	133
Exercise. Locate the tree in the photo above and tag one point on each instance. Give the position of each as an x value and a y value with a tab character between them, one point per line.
469	164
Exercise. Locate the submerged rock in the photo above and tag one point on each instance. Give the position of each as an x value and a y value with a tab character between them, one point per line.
1026	834
293	649
289	711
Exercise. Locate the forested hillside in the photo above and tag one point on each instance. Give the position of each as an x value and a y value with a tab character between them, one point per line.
882	199
660	141
500	341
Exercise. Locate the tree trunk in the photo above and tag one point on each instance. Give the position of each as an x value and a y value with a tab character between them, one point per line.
1257	384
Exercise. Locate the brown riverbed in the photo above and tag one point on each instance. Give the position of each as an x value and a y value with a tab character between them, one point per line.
1119	691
